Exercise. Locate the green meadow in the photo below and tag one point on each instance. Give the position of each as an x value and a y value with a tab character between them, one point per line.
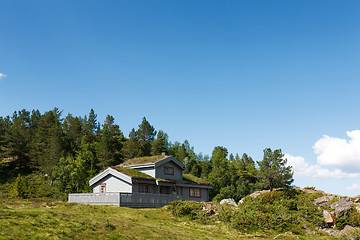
48	219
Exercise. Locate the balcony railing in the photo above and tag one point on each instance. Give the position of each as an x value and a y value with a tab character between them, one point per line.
134	200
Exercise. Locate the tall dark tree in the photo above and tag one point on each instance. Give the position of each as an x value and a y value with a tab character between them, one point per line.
4	130
19	139
109	145
131	147
219	175
91	127
73	130
48	144
273	171
145	134
160	144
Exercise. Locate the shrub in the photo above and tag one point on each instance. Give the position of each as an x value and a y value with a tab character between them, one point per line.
280	211
183	208
352	218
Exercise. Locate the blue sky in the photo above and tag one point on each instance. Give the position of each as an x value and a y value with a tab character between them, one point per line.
241	74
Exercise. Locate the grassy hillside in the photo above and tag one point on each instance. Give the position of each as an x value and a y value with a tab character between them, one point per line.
39	219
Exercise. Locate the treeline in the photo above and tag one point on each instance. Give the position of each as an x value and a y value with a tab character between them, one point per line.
67	152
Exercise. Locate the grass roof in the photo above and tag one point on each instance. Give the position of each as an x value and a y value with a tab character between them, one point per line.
133	172
191	178
142	160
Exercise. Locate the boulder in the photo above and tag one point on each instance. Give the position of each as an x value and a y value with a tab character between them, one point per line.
335	233
229	201
259	193
328	219
347	231
322	201
357	199
357	206
210	208
342	206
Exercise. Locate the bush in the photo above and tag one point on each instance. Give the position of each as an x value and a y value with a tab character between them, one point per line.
280	211
31	186
352	218
183	208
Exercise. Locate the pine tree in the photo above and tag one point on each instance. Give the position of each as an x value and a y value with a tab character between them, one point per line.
160	144
131	147
48	144
73	131
273	171
109	145
19	139
145	134
219	175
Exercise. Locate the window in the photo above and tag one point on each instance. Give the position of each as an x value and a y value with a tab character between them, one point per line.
195	192
144	188
168	170
102	187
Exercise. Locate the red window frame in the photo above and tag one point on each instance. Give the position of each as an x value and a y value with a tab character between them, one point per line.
166	171
100	187
147	187
192	196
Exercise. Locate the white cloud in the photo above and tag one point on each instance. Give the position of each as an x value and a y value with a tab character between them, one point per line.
303	169
354	187
2	75
339	153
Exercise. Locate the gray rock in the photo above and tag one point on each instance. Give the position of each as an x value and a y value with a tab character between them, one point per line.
347	230
357	199
342	206
357	206
335	233
322	201
229	201
258	193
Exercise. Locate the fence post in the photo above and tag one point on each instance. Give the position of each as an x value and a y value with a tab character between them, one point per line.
119	199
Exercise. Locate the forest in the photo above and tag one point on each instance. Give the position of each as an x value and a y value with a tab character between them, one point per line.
50	155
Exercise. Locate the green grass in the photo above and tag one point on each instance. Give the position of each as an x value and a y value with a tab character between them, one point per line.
142	160
192	178
40	219
133	172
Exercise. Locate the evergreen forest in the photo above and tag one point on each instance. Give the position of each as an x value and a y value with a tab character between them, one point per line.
48	155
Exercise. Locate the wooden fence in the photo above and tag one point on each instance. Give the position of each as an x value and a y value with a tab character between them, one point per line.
133	200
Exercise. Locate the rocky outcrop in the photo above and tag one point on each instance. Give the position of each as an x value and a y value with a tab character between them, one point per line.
229	201
210	208
342	206
322	201
343	234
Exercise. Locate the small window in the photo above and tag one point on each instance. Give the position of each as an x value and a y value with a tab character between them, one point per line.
168	170
144	188
195	192
103	187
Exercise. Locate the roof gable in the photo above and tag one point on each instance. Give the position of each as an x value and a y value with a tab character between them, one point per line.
109	171
168	159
